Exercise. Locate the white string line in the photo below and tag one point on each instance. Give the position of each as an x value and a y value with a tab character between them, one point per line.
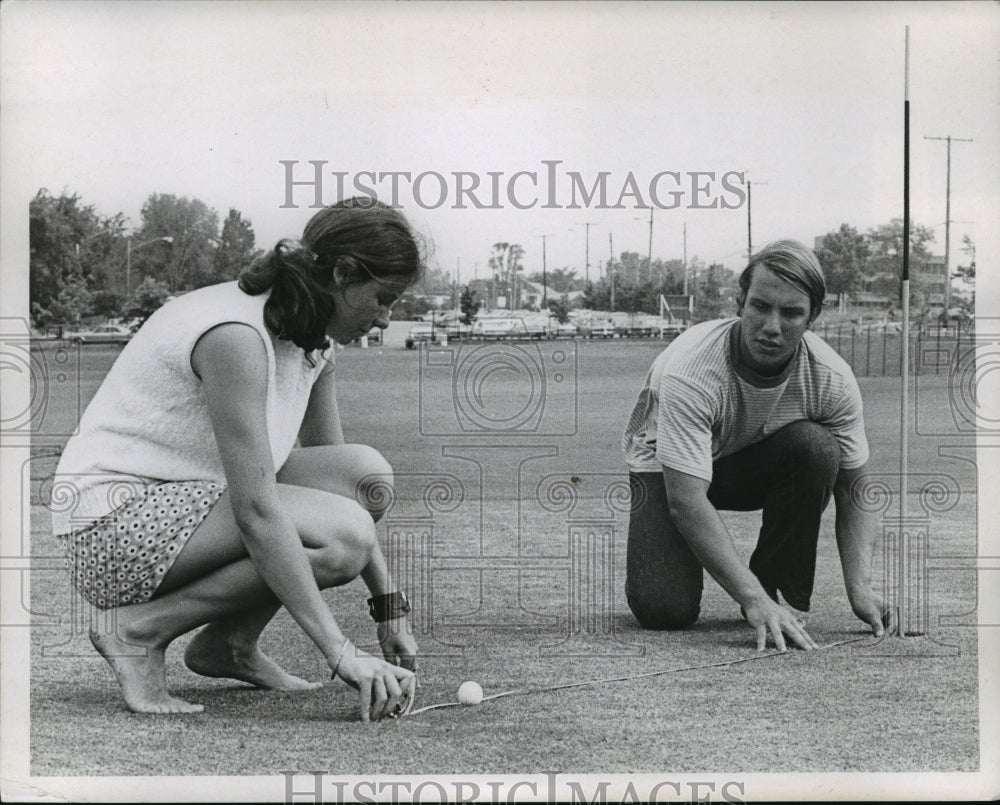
661	672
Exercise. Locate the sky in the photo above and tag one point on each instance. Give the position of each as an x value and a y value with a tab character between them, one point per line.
116	101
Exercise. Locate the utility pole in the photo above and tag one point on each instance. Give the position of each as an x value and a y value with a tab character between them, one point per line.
749	225
649	259
947	224
611	270
587	225
685	258
545	288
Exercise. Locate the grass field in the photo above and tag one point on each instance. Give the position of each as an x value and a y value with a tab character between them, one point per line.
513	545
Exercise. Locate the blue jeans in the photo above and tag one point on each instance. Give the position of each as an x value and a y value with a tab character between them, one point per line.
789	475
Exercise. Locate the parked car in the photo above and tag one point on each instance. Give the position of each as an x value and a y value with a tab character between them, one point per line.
457	331
374	336
671	329
535	326
598	328
636	327
500	328
422	333
566	330
101	334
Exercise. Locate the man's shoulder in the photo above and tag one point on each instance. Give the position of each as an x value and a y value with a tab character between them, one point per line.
703	338
826	359
699	355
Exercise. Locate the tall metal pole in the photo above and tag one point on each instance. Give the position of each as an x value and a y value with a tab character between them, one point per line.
545	287
128	258
904	418
749	225
685	258
611	270
586	225
649	259
947	222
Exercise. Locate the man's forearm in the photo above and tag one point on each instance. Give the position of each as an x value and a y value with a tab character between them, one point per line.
701	527
856	544
855	530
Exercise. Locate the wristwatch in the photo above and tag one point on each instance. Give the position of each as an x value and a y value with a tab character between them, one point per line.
388	606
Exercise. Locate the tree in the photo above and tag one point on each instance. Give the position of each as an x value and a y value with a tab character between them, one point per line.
967	272
188	263
57	226
235	249
562	280
560	308
886	245
410	307
469	306
843	256
505	262
146	300
711	297
107	304
73	302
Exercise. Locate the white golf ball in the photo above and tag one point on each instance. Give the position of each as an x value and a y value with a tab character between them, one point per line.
470	693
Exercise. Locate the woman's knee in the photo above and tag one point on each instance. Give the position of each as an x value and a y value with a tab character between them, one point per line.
374	480
350	540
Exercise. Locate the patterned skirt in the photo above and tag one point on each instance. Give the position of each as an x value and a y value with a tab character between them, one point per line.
121	558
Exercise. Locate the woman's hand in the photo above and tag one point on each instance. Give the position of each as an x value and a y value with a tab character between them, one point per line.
398	646
383	688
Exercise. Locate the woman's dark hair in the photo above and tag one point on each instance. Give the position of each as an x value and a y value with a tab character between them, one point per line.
352	241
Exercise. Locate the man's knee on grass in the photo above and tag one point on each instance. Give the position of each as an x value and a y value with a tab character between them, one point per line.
654	611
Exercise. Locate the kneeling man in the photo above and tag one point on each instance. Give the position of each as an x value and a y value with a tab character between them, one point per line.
746	413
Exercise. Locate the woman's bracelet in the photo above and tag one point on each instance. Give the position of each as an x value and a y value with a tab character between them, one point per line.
343	651
389	606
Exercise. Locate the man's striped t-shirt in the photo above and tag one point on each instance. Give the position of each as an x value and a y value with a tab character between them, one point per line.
700	402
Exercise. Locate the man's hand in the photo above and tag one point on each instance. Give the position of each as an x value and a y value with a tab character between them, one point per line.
398	646
870	608
766	616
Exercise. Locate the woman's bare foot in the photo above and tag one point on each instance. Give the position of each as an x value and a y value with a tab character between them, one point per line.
142	673
216	653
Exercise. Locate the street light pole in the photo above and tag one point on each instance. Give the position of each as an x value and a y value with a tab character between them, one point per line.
128	258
